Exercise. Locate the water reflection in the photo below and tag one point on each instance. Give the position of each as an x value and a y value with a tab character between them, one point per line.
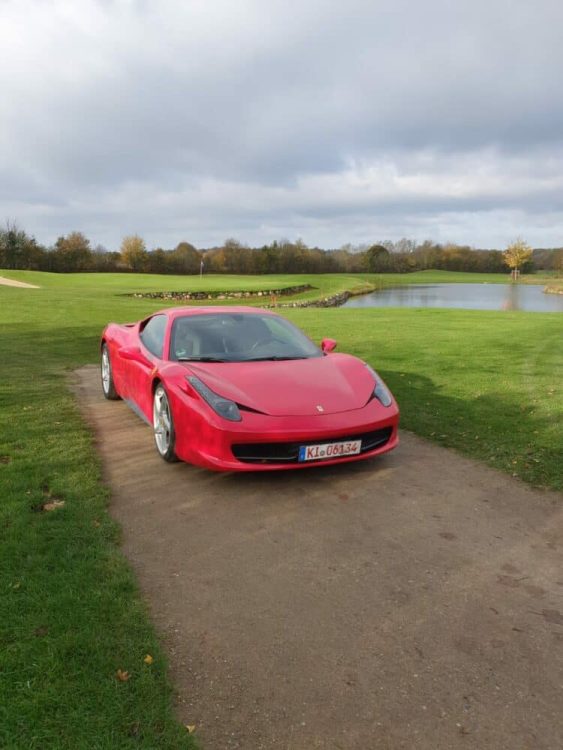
525	297
512	299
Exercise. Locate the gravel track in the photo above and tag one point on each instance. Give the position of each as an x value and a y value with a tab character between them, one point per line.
412	601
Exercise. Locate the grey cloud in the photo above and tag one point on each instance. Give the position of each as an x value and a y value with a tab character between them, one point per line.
175	119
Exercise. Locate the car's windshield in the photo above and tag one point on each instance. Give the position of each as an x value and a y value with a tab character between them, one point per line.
238	337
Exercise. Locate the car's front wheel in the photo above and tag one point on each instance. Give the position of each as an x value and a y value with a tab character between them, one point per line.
108	386
163	425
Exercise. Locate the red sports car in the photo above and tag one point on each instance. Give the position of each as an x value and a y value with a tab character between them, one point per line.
242	389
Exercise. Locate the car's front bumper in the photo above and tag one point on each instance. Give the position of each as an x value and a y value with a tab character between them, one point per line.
209	442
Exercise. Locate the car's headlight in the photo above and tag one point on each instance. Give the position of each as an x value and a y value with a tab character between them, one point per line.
381	392
221	406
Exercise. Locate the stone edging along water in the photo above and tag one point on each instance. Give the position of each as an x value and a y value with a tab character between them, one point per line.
553	289
335	300
221	295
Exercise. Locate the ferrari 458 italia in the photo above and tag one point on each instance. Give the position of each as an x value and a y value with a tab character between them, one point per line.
243	389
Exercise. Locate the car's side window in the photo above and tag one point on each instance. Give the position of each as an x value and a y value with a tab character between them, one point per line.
277	330
152	335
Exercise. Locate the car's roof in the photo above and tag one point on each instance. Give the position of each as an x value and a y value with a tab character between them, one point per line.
179	312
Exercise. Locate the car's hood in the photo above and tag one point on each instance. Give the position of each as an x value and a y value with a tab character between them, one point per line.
335	383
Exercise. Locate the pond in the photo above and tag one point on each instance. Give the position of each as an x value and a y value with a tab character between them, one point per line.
528	297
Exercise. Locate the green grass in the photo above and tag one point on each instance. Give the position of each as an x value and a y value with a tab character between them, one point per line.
324	284
70	610
122	283
485	383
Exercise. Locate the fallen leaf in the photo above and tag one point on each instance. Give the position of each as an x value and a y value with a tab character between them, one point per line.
148	659
190	728
53	505
122	676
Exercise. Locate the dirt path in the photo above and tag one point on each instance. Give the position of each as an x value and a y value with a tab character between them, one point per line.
12	282
414	601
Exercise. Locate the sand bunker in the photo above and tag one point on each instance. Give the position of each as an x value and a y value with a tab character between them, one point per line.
12	282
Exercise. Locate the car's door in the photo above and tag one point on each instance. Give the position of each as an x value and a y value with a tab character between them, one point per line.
151	343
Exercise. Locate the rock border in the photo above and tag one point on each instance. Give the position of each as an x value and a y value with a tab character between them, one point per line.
335	300
242	294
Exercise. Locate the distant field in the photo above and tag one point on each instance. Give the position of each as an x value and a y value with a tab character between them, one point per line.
124	284
485	383
324	284
120	283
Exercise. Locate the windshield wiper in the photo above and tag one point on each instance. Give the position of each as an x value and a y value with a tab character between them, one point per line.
272	359
202	359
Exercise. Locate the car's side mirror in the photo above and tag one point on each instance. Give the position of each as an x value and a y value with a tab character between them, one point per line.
328	345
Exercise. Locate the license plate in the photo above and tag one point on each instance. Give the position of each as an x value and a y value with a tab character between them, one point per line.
324	451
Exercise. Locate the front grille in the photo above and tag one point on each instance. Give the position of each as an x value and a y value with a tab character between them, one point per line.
288	453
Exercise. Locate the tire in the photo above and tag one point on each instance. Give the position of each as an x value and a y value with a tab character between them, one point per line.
163	425
108	386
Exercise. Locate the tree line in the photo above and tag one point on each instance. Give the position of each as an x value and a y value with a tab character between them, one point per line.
73	252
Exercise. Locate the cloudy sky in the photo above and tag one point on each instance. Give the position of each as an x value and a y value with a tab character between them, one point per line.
331	120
